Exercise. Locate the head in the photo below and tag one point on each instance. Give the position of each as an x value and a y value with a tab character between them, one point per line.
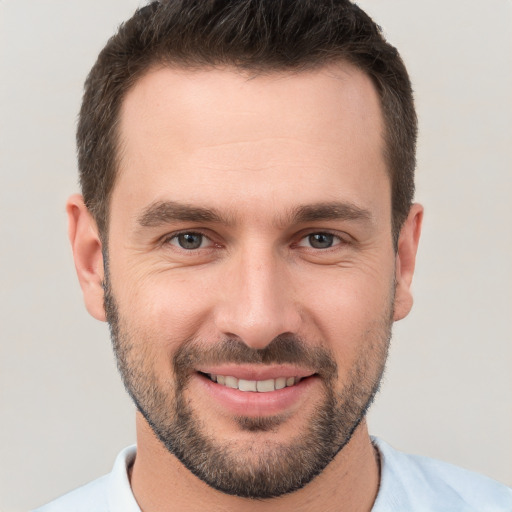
247	172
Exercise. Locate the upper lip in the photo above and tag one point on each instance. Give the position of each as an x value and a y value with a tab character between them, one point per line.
258	372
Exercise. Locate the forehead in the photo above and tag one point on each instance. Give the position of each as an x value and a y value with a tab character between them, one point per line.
209	134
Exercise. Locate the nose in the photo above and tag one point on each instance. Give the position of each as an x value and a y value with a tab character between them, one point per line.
257	300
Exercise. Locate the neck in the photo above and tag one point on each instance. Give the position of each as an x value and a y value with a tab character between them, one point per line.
160	482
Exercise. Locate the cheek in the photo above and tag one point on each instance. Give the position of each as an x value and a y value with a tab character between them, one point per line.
156	318
168	309
352	311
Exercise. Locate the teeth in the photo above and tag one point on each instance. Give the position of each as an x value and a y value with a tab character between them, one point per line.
280	382
232	382
261	386
247	385
264	386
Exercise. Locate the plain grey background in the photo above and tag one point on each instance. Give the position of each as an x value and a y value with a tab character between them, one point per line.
448	388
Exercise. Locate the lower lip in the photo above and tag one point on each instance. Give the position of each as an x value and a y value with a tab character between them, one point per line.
254	404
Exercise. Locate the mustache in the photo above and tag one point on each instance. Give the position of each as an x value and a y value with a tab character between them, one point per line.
284	349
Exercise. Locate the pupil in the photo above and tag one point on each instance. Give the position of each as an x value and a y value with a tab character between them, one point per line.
321	240
190	240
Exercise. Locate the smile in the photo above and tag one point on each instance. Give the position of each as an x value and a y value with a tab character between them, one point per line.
258	386
252	391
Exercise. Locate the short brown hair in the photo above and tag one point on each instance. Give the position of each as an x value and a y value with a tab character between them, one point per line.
256	35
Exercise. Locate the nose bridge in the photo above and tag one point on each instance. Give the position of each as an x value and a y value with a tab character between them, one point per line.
258	303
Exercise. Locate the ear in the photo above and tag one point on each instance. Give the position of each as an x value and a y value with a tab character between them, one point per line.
406	260
87	253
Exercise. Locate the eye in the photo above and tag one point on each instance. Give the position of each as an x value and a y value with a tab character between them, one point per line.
320	240
190	241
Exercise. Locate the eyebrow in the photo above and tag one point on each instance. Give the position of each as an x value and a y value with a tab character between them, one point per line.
330	211
165	212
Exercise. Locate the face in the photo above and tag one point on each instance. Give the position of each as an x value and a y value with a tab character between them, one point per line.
252	279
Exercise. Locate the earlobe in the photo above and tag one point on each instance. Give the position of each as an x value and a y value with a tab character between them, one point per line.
406	260
87	253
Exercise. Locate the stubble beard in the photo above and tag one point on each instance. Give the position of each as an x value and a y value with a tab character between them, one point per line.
258	469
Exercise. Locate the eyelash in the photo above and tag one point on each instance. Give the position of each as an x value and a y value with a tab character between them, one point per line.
338	240
174	236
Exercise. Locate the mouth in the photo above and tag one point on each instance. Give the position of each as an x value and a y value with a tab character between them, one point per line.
255	386
252	391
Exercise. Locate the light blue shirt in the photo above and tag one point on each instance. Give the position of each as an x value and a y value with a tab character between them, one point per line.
408	483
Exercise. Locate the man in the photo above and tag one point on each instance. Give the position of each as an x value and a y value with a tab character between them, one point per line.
247	229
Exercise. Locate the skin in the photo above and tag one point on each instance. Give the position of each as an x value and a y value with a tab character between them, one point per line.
252	149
